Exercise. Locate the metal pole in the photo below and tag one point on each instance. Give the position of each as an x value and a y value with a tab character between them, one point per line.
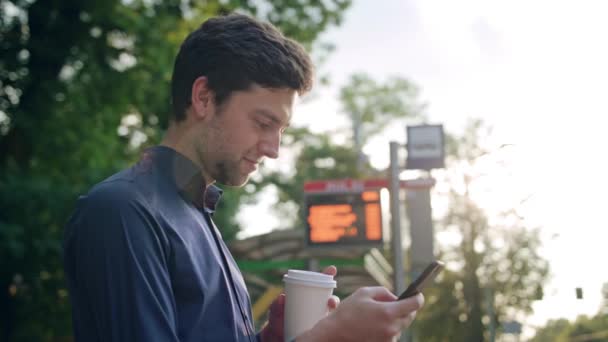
313	264
398	273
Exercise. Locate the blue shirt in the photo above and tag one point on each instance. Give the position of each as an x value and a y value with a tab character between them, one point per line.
144	261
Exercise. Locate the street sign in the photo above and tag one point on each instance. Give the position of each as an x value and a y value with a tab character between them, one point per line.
425	147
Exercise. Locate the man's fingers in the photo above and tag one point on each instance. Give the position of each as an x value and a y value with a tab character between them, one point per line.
330	270
333	303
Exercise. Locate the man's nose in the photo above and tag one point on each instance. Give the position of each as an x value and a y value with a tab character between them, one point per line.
269	147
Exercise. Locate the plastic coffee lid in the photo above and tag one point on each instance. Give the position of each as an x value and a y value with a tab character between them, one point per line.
309	278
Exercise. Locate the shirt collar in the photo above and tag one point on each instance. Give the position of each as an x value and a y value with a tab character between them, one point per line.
185	175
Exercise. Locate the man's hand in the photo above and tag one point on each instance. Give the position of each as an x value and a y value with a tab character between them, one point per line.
273	329
334	301
369	314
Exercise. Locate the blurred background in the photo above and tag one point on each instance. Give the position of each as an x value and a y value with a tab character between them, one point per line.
517	85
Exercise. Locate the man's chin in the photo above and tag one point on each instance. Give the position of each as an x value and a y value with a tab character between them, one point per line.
234	182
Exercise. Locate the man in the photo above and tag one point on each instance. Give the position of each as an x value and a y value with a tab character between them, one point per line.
143	258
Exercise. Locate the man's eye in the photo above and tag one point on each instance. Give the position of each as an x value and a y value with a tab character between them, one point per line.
263	125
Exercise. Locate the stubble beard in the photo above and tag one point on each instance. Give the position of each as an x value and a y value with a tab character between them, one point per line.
223	171
228	173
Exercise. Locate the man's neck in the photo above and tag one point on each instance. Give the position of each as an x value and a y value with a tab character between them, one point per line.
177	139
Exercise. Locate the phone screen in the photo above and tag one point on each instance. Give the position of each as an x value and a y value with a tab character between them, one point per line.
424	278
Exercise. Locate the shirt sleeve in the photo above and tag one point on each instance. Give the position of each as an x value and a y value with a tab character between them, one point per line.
116	261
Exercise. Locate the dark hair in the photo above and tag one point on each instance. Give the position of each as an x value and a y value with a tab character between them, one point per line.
234	52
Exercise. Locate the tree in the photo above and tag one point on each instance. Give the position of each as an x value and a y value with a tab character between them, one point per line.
371	106
604	307
552	331
583	329
84	86
497	260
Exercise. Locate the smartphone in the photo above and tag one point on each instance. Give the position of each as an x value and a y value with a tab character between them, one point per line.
424	278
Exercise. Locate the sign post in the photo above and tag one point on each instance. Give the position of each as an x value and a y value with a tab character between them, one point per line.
398	272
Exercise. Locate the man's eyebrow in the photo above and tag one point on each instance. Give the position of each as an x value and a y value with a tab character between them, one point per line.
272	117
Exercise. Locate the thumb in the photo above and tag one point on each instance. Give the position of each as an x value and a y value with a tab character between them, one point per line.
330	270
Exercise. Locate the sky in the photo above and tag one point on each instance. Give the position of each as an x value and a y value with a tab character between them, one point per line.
533	70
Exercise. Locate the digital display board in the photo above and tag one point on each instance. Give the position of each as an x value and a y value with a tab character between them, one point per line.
351	218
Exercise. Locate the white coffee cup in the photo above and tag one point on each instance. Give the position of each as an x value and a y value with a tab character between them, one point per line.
306	296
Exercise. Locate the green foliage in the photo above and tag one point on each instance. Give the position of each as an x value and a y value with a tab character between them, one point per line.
468	147
371	106
552	331
594	329
604	307
84	86
590	329
443	306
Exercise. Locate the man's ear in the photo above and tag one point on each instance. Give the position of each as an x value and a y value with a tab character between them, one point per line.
201	98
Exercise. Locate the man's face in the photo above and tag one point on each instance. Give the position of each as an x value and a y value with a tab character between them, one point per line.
240	133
